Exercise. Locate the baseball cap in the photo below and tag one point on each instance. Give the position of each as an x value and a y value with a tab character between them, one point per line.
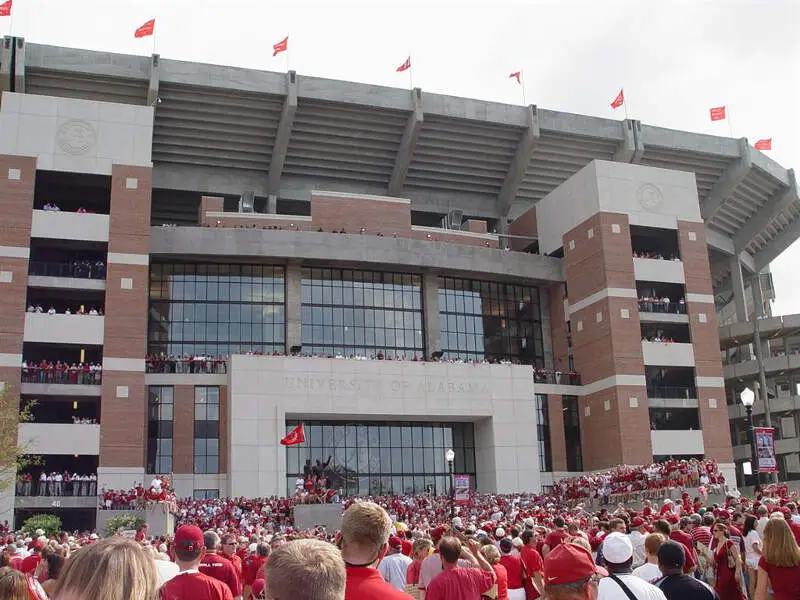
568	563
395	542
189	537
671	555
617	548
637	522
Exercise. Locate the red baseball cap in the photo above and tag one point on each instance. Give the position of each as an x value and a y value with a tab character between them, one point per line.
189	537
637	522
395	542
568	563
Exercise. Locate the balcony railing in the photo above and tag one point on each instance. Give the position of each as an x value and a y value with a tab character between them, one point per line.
79	269
656	306
556	377
70	376
199	365
56	489
673	391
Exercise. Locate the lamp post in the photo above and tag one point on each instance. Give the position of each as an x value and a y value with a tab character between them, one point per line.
450	456
748	397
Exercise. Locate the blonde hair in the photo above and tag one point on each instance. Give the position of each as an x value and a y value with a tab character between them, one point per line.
116	568
305	570
367	525
13	585
582	542
421	545
653	542
780	547
490	553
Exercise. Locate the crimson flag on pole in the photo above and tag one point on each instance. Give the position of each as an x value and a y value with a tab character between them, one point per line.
281	46
764	144
718	113
405	66
5	9
146	29
619	100
295	436
516	75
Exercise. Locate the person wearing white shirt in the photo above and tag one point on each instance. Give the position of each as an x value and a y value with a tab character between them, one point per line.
51	311
394	565
92	484
649	571
637	541
43	484
59	479
618	556
763	519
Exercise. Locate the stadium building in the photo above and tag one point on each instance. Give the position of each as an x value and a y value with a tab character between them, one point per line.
217	224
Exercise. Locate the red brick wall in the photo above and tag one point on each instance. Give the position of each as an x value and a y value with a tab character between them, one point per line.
705	340
452	237
558	447
123	424
336	212
525	225
476	226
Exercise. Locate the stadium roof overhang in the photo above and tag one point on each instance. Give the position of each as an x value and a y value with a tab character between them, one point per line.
225	130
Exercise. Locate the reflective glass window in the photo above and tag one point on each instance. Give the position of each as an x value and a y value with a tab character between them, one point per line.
384	458
206	429
160	410
482	320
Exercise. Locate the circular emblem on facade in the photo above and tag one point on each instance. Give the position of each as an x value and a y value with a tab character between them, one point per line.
76	136
650	197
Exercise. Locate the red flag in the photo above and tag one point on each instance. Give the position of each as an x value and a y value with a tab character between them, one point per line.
516	75
146	29
5	9
405	66
764	144
619	100
295	436
718	113
281	46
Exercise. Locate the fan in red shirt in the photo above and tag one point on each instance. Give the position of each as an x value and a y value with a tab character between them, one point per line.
229	552
254	564
458	583
190	583
514	568
29	563
532	560
363	540
217	566
555	537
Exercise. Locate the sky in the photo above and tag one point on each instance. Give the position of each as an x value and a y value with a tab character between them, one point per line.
674	58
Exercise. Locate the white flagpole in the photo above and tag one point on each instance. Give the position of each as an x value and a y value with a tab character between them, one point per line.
625	104
728	118
410	71
11	21
155	24
522	83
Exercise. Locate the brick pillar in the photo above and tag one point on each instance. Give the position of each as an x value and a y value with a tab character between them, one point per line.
431	317
183	430
210	204
558	445
17	182
559	333
606	336
123	429
705	341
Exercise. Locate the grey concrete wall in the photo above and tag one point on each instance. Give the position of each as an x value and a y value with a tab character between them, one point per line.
308	516
346	250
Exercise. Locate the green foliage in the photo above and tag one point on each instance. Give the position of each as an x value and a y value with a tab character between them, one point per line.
14	457
50	524
122	522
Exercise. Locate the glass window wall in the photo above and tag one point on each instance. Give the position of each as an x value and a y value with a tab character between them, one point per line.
215	310
160	409
206	429
482	320
543	433
384	457
346	312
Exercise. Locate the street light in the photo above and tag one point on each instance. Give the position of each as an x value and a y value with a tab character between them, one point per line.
748	398
450	456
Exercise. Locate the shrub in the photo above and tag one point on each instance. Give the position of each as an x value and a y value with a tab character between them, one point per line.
50	524
122	522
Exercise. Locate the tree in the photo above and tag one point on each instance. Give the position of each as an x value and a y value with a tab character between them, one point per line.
50	524
119	523
14	457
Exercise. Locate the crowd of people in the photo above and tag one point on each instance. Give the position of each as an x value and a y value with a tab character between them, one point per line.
160	492
79	268
656	255
652	303
160	363
659	337
81	310
505	547
57	483
76	373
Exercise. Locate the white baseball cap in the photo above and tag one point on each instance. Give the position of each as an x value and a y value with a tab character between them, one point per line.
500	532
617	548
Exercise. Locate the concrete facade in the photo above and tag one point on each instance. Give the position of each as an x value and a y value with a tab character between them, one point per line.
266	391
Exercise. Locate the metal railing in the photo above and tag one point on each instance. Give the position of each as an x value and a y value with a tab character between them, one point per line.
78	269
672	391
61	376
556	377
656	306
216	366
56	489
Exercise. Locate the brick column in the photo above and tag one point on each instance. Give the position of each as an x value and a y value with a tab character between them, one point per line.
558	445
210	204
183	430
704	332
124	404
431	317
558	328
606	336
17	182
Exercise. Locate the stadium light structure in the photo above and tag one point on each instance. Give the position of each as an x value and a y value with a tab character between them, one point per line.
450	456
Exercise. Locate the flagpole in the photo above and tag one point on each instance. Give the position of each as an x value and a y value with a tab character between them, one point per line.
625	104
11	22
410	71
154	37
522	77
730	122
